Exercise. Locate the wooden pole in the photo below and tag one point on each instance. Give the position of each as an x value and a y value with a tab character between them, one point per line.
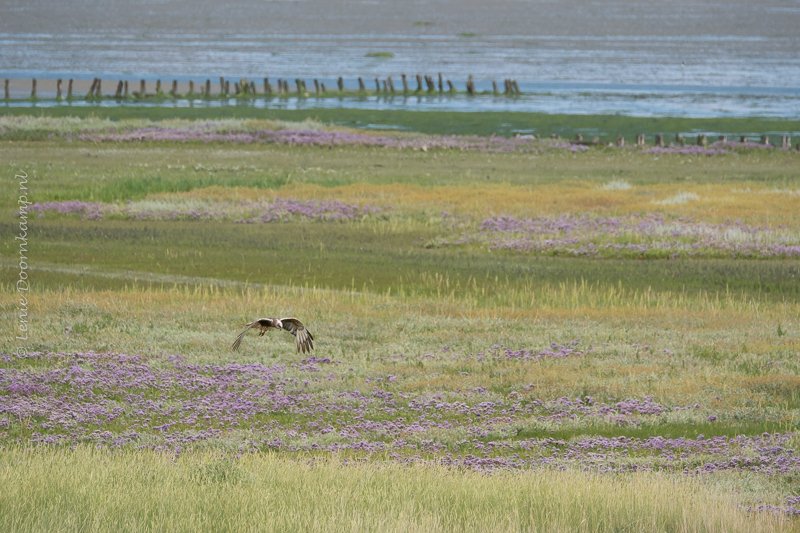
316	86
5	89
391	84
419	84
33	89
450	88
361	87
90	94
404	79
660	140
191	87
441	83
118	93
431	85
58	89
340	84
267	87
69	89
142	88
125	90
702	140
470	86
494	88
620	141
765	140
786	142
174	91
640	139
208	88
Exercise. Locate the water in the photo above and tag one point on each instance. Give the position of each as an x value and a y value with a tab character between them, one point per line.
683	58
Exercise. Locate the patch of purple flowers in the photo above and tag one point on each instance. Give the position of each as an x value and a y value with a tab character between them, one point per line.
312	137
653	234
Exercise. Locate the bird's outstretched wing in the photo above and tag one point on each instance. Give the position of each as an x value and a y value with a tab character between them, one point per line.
262	323
303	338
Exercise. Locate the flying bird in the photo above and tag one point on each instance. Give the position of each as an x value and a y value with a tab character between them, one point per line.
303	338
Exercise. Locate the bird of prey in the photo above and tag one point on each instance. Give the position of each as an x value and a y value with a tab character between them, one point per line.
303	338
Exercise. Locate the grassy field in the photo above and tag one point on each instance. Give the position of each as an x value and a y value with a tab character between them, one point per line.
510	334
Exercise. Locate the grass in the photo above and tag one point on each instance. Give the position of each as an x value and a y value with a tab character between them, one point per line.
607	127
435	360
92	490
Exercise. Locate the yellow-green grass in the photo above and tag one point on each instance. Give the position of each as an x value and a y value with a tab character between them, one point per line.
99	490
721	333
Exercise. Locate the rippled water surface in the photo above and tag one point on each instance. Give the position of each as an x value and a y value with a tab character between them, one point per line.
689	58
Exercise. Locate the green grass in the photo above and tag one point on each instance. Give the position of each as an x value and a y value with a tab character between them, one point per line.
715	337
91	490
608	127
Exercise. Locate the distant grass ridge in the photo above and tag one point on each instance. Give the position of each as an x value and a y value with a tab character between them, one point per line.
445	122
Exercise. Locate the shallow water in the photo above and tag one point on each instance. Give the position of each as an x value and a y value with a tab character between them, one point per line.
685	58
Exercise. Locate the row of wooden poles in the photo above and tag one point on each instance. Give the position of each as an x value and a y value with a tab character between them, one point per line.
247	89
700	140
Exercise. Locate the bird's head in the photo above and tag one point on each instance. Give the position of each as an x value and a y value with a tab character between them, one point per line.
278	324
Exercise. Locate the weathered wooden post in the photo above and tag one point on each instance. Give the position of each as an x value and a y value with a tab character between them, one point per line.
69	89
723	139
118	93
340	84
142	88
679	140
419	84
660	140
99	90
5	89
441	83
361	87
299	83
620	141
253	88
227	90
405	83
786	142
702	140
174	91
322	88
191	87
33	89
742	139
765	140
516	87
377	86
470	86
125	90
494	88
316	86
640	139
390	83
267	87
221	86
58	89
90	94
207	91
450	87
